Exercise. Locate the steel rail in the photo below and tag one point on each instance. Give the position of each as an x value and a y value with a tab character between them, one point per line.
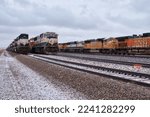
108	61
138	78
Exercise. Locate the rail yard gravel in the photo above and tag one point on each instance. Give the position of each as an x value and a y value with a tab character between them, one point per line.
111	57
101	64
92	86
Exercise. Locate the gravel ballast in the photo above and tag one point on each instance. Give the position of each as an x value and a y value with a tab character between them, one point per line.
111	57
100	64
93	86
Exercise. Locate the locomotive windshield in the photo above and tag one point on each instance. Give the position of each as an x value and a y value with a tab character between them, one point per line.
35	39
51	37
23	36
48	35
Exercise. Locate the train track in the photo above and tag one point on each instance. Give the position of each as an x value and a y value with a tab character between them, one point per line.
146	65
135	77
115	55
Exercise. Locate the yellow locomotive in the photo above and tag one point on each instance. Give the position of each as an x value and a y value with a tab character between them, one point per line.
135	44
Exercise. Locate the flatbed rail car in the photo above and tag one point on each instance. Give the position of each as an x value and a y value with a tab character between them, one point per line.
20	44
135	44
44	43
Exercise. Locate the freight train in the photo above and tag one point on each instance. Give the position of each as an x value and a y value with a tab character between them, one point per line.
135	44
45	43
20	44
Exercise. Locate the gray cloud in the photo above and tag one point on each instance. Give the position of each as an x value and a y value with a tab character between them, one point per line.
33	14
73	20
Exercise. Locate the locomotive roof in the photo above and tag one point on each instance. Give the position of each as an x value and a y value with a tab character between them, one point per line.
53	33
16	39
23	35
63	43
146	34
100	39
74	42
89	40
123	38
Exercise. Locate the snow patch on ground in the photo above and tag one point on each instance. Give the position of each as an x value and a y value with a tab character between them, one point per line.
20	82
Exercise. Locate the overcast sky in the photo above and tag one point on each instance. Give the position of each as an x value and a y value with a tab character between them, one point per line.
73	19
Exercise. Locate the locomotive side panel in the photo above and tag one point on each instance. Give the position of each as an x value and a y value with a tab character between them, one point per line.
88	45
71	47
139	45
110	43
61	47
138	42
80	46
96	45
130	43
148	41
99	44
64	47
93	45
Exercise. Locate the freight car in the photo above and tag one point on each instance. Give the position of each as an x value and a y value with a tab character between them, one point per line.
45	43
20	44
135	44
